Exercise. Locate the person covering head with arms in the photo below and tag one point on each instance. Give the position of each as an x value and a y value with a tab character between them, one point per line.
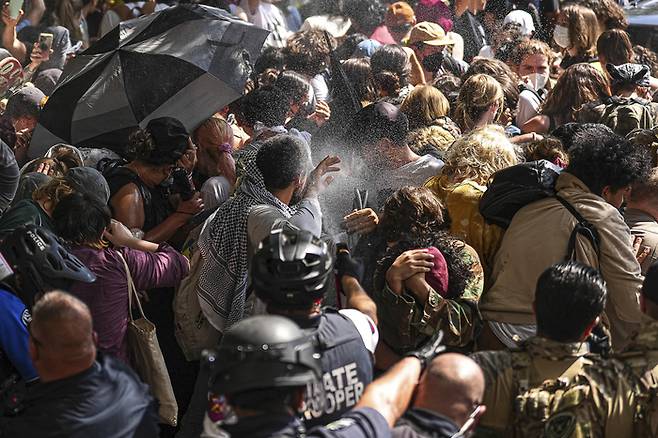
80	393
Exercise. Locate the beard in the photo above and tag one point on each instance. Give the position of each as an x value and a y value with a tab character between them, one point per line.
298	195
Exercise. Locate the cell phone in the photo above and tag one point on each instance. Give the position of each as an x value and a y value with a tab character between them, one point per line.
15	7
45	42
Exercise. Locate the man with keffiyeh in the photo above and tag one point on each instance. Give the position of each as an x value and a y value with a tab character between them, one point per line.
278	186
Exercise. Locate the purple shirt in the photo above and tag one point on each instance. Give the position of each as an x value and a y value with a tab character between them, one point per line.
107	297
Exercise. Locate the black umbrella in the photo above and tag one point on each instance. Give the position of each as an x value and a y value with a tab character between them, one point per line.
185	62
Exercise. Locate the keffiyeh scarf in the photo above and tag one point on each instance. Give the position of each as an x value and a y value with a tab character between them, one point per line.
224	248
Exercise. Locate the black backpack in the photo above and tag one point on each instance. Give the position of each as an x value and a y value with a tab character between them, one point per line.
515	187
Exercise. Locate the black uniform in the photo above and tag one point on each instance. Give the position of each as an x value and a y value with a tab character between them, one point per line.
420	423
359	423
346	363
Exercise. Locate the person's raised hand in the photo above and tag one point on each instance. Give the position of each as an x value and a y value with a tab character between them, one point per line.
429	350
192	206
38	56
45	168
118	234
363	221
641	252
319	179
408	264
321	114
8	20
346	266
189	159
418	286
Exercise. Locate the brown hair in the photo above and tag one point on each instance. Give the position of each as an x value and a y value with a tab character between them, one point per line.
548	148
424	105
615	47
359	73
54	190
532	47
476	96
307	52
583	29
503	74
608	12
411	212
579	84
646	57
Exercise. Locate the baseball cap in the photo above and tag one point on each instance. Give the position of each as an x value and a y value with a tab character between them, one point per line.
25	102
438	275
377	121
398	14
46	81
523	19
90	182
428	33
366	48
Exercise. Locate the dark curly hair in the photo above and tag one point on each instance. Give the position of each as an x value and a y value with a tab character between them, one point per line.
308	52
410	213
459	271
365	14
390	68
600	158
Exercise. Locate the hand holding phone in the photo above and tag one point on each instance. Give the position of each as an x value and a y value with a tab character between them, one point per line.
15	7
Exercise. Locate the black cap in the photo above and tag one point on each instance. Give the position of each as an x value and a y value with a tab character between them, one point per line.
25	102
378	121
90	181
650	285
171	140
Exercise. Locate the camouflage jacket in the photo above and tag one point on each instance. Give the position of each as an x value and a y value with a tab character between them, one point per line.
601	395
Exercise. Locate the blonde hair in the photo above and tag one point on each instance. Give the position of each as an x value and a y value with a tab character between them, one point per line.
424	105
479	154
475	98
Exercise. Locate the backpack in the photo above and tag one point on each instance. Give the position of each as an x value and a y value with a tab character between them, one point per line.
515	187
623	115
562	407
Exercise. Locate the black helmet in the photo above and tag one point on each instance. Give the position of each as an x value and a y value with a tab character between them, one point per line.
291	268
41	262
263	352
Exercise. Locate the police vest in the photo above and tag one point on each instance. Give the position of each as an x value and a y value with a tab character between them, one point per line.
347	369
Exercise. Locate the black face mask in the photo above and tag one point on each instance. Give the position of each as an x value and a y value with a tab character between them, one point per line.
432	63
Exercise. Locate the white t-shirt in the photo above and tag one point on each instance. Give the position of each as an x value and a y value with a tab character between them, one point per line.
269	17
527	108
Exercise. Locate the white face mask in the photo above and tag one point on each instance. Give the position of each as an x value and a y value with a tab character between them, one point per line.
537	81
561	36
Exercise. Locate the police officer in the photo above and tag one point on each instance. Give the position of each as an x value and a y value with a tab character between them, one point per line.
261	371
554	386
32	263
290	273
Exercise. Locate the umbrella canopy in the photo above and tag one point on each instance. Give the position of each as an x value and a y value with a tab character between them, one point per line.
185	62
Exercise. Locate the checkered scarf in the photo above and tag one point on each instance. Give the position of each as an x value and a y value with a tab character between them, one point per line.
224	249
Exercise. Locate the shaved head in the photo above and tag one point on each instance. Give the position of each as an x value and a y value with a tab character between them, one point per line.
61	334
452	385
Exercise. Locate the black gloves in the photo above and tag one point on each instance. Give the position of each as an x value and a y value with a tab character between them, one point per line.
429	350
346	265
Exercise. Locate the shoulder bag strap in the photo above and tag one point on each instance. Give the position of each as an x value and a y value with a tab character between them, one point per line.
132	291
583	227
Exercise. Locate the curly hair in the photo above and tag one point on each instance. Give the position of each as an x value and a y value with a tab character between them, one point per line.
459	272
646	57
532	47
449	85
307	52
579	84
434	139
548	148
601	158
478	155
410	213
140	145
423	105
476	96
366	15
647	138
55	190
391	69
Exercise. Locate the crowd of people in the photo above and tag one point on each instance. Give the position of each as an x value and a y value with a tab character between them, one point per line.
420	219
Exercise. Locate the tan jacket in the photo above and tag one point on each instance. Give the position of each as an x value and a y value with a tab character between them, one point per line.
538	238
644	225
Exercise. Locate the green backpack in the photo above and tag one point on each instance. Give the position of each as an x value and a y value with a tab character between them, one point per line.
624	114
